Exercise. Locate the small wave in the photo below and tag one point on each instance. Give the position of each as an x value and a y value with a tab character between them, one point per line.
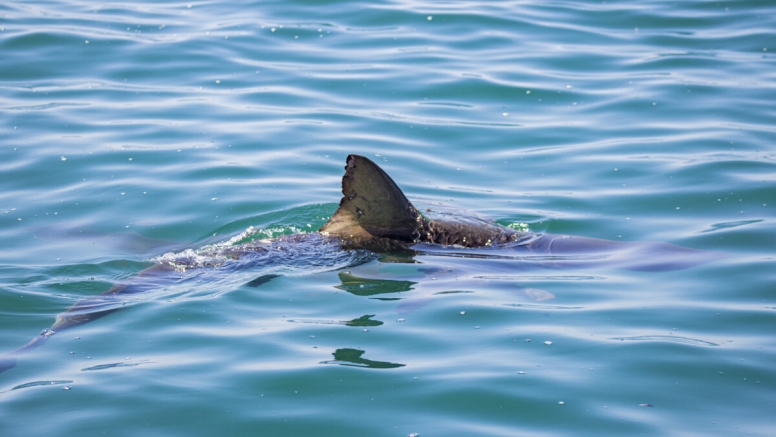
46	106
449	104
668	338
113	365
727	225
540	278
533	306
42	384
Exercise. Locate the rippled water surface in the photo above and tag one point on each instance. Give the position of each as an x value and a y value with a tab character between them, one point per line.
132	131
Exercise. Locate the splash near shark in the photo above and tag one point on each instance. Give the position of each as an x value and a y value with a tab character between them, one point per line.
374	220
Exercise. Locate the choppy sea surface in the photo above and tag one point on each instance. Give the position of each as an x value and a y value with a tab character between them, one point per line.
133	130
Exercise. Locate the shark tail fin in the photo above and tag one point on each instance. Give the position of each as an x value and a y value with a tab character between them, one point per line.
372	205
8	361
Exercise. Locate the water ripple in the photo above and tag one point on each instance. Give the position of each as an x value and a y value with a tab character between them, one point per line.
668	338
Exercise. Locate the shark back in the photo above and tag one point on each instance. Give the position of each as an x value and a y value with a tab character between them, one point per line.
373	207
470	232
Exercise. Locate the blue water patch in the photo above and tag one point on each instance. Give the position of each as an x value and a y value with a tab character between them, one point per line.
139	132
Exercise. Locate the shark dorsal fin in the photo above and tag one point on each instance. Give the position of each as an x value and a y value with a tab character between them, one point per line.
372	205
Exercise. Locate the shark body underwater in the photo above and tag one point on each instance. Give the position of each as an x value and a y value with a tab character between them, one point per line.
374	217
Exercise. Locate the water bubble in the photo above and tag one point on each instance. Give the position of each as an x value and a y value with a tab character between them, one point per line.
429	18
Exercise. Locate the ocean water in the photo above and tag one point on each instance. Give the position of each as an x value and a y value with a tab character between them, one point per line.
133	130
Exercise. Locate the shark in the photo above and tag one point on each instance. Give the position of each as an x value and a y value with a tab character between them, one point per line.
375	219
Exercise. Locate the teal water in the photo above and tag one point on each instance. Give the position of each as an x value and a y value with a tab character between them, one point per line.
130	130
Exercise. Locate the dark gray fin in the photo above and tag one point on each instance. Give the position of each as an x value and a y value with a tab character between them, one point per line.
372	206
261	280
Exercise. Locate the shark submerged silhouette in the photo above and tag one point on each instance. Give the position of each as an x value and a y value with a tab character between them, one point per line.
375	217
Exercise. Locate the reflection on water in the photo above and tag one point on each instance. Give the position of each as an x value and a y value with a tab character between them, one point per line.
352	357
370	287
363	321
